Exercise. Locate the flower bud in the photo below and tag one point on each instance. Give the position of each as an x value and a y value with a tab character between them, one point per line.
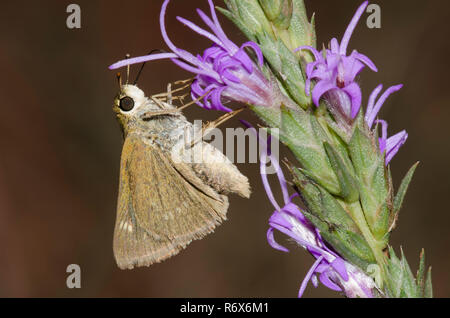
279	12
251	14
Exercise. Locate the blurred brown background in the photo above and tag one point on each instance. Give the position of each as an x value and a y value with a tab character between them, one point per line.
60	148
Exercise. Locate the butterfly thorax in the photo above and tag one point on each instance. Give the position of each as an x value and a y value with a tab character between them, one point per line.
136	115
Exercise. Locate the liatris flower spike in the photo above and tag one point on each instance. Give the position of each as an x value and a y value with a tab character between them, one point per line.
333	271
335	72
344	182
222	71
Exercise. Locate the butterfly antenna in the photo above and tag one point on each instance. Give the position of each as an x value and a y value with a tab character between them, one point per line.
143	64
119	81
128	68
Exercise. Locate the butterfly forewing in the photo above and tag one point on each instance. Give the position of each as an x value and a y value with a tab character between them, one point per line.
162	206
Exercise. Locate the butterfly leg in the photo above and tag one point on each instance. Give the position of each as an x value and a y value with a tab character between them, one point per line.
214	124
170	96
167	108
185	84
169	93
179	109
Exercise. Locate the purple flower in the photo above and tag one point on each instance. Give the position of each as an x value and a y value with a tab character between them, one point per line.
335	72
223	71
332	270
392	144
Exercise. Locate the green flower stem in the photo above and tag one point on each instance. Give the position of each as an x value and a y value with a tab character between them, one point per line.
377	247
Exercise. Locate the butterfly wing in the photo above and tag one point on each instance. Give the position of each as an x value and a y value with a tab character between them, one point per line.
162	206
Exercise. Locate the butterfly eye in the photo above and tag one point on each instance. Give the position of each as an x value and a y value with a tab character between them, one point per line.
126	103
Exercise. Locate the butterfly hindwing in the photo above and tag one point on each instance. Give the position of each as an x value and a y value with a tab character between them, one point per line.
162	206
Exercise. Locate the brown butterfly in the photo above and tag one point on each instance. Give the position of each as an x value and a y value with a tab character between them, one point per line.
165	201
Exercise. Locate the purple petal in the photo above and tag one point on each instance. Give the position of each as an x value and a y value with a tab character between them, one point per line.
223	58
383	138
264	150
316	53
256	49
169	43
216	97
273	243
211	53
325	280
380	102
245	60
199	103
339	266
308	276
207	20
265	181
315	281
294	210
393	145
334	44
219	29
351	27
195	70
371	104
141	59
281	179
229	76
302	241
352	68
354	92
199	30
279	219
225	42
181	53
196	88
310	68
323	74
321	88
222	63
365	60
333	61
290	233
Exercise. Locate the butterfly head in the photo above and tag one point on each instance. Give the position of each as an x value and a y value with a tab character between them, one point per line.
130	100
130	105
